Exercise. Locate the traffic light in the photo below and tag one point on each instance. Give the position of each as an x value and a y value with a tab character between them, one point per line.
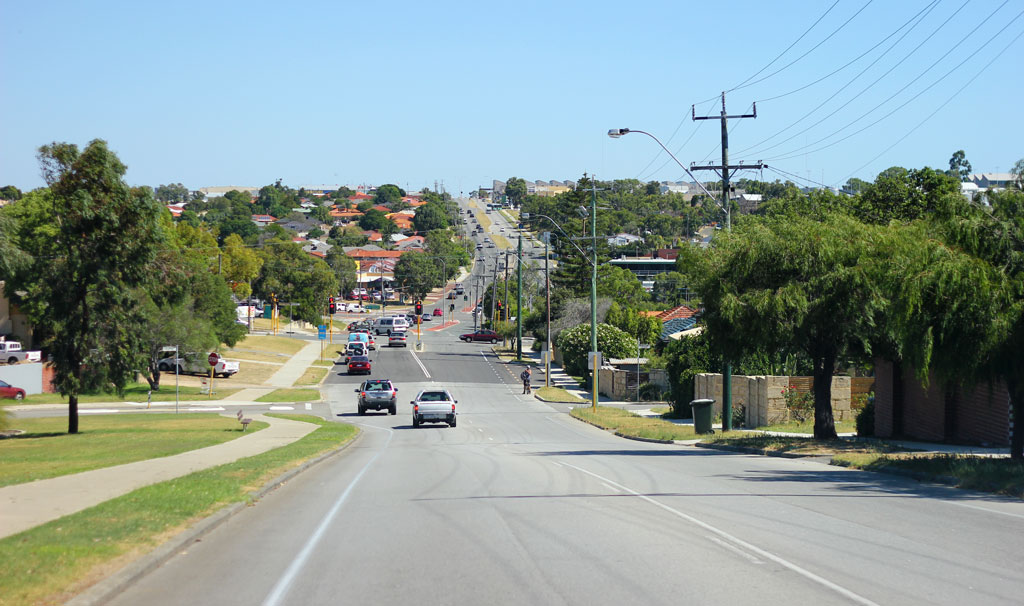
499	310
331	307
419	308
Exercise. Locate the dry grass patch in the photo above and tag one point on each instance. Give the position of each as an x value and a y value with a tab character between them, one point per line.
988	474
800	445
267	344
629	424
313	375
291	395
557	394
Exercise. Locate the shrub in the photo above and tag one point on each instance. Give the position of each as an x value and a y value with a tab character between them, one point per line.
651	392
866	419
800	404
575	343
739	415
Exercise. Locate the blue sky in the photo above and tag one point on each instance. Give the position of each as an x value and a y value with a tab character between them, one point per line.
243	93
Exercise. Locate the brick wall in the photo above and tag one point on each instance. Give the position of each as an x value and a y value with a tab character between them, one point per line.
905	408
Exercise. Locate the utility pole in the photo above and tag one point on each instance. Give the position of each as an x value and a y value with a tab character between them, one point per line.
519	298
725	168
547	296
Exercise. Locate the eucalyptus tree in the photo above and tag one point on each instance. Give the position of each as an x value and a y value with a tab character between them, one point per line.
92	239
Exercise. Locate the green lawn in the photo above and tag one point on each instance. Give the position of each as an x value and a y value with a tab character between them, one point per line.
46	450
50	563
291	395
135	392
629	424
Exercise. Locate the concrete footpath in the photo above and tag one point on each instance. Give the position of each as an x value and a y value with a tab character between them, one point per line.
23	506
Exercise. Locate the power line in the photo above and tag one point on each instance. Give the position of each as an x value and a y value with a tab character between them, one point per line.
802	151
667	160
779	56
944	104
927	8
866	88
812	49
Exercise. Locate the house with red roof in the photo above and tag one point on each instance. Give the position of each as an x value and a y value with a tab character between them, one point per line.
263	220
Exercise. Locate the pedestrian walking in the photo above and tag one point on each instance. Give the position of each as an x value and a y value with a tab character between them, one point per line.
525	376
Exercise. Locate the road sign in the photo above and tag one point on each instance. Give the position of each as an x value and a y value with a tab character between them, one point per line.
213	359
321	331
592	357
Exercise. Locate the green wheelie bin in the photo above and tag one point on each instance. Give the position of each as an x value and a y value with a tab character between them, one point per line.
702	415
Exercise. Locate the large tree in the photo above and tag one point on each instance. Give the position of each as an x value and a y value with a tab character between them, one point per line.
101	240
959	166
515	190
430	216
790	282
417	274
388	194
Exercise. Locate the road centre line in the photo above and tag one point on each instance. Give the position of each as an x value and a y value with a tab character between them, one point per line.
737	541
422	367
280	588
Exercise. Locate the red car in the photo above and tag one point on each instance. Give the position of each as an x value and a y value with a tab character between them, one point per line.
481	335
359	365
438	312
9	391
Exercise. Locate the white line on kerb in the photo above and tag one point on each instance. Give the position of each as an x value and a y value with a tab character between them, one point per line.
284	583
422	367
737	541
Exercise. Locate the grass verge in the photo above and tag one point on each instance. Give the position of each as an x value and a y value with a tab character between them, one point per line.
986	474
807	427
631	425
313	375
136	392
800	445
501	242
557	394
291	395
50	563
46	450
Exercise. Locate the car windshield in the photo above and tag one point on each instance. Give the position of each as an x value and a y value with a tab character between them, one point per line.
434	396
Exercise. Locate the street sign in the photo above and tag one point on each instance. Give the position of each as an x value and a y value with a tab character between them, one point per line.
213	358
169	348
321	331
594	356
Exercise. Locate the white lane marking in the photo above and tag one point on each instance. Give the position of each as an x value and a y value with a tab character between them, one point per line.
986	509
737	541
612	488
480	430
734	549
490	438
422	367
309	406
205	408
97	411
282	408
284	583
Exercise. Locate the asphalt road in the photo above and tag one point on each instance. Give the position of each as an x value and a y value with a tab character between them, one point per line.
521	504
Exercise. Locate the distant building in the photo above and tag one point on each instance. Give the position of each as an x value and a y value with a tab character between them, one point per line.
219	191
992	180
674	187
623	239
263	220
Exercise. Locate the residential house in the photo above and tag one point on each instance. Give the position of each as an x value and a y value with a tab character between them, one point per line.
623	239
263	220
992	180
411	243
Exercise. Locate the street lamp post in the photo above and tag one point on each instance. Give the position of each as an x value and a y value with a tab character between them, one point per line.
592	356
615	133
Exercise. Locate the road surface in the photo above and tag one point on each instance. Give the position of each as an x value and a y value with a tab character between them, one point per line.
521	504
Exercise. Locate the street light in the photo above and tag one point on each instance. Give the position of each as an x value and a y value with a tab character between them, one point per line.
593	283
615	133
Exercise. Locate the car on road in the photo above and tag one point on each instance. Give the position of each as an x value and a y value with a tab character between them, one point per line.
359	365
9	391
396	339
354	348
433	406
377	394
425	318
437	310
488	336
359	325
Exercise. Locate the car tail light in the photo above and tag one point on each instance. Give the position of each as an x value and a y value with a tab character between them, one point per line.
362	395
453	408
415	407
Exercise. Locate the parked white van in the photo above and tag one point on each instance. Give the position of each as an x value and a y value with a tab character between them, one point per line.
388	325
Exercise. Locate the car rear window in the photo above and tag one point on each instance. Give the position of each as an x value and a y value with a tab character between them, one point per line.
360	359
434	396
